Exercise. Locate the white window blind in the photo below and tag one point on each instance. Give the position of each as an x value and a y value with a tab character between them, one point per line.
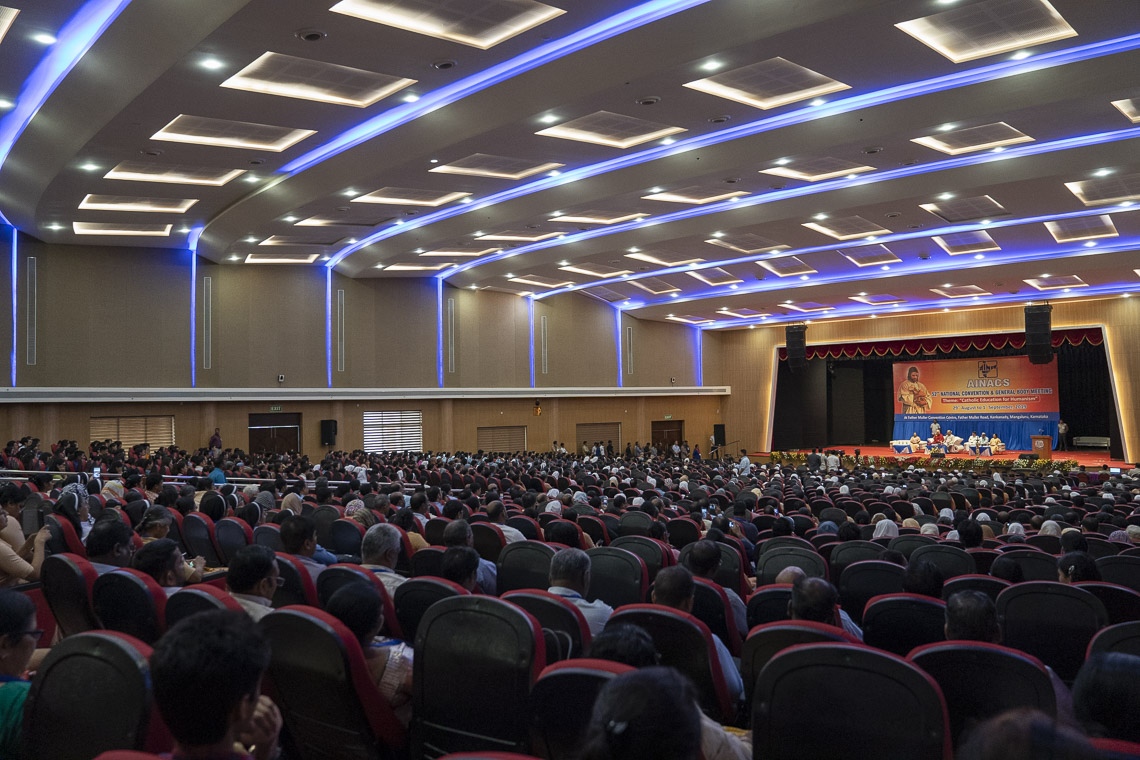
157	431
394	431
504	439
598	431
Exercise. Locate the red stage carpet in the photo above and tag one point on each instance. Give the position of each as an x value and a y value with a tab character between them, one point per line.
1090	458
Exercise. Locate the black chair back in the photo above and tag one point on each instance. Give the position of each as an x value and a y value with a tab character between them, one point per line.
900	622
617	577
1052	621
130	602
415	596
524	564
771	563
769	604
863	581
951	560
68	580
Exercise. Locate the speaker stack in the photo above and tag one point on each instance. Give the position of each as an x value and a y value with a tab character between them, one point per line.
796	338
1039	333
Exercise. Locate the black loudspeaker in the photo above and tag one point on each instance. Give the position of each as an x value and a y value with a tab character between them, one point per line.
938	455
796	337
1028	457
328	432
718	434
1039	333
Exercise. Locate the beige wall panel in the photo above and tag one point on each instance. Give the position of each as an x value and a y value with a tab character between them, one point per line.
390	332
269	320
105	316
492	334
661	351
580	342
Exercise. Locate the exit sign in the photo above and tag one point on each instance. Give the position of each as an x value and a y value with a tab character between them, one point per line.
668	416
275	408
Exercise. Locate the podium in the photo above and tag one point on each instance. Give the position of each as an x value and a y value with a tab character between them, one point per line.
1043	446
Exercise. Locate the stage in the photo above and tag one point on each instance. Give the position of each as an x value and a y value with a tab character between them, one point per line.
1092	459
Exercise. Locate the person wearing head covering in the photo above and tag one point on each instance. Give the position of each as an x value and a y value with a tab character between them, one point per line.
293	503
1015	529
929	529
1050	528
886	529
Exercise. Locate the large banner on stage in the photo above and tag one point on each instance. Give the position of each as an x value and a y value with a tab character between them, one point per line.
1006	395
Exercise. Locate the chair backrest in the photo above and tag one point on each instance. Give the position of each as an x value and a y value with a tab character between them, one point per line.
863	581
682	532
617	577
433	530
531	530
113	709
130	602
268	535
345	537
850	552
907	544
769	604
712	607
429	561
298	586
634	524
766	641
781	541
323	517
524	564
336	577
63	536
987	584
900	622
232	534
68	580
201	597
562	701
951	560
771	563
655	554
488	540
1102	547
1035	565
484	651
980	680
1051	621
415	596
1049	544
686	644
983	558
1121	603
556	613
1122	637
731	573
1120	569
198	533
322	685
805	682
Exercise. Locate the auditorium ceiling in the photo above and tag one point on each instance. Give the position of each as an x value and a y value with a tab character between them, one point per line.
722	163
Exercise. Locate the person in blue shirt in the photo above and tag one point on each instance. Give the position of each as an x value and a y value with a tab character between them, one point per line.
218	475
18	638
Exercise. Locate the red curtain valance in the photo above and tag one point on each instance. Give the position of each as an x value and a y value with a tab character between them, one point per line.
1074	337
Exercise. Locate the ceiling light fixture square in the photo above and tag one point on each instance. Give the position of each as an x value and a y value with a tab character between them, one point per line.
499	167
481	25
521	236
465	251
223	133
124	230
961	291
132	203
655	285
281	258
871	255
959	243
1130	108
787	266
406	196
715	276
768	84
816	169
416	267
1056	282
595	270
690	319
977	30
1082	228
808	307
613	130
596	217
965	209
747	243
1107	190
724	311
541	282
658	257
883	299
607	295
292	77
695	195
847	227
7	18
140	171
970	139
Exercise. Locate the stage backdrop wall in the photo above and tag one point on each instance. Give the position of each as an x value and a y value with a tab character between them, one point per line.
1005	396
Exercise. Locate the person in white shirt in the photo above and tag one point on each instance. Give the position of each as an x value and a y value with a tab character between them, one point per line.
833	461
252	578
570	579
379	552
497	514
744	466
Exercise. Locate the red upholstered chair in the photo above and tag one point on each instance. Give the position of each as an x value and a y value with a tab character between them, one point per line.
428	561
850	552
617	577
201	597
1113	749
1121	569
905	718
682	532
685	643
298	587
321	683
1051	621
268	534
766	641
345	537
334	578
175	533
130	602
1121	603
199	534
562	701
771	563
232	534
524	564
768	604
863	581
1036	565
484	651
63	536
634	523
112	710
323	517
1122	637
987	584
433	530
712	607
415	596
404	561
951	560
67	581
654	553
488	540
731	573
556	613
592	526
900	622
981	680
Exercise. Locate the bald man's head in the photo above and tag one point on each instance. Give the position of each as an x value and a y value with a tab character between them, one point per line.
790	574
813	599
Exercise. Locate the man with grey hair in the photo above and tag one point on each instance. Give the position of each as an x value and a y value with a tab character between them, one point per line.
570	579
379	552
458	533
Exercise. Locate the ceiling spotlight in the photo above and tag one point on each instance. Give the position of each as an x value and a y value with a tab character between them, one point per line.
410	98
434	161
235	258
251	239
733	287
668	141
885	267
947	127
184	230
325	258
819	217
290	219
656	190
212	64
998	149
1102	172
751	327
6	104
803	276
782	161
55	226
252	178
1090	244
1020	55
945	196
350	241
851	176
43	39
468	199
711	65
979	256
89	167
818	102
552	173
549	119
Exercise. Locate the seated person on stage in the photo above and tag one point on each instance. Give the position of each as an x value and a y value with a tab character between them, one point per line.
938	440
916	443
996	444
673	587
207	684
953	442
973	442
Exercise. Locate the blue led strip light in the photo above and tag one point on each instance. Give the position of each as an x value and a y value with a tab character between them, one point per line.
698	336
438	331
530	317
15	275
192	245
328	326
617	342
73	41
613	26
798	116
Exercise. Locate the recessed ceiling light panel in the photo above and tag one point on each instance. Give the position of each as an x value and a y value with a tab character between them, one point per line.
614	130
1082	228
610	296
808	306
500	167
223	133
416	267
960	291
131	203
540	282
870	255
970	139
715	276
591	269
958	210
7	18
655	285
461	251
695	195
123	230
522	236
1107	190
977	30
141	171
663	258
1056	282
787	266
747	243
281	258
741	313
768	84
959	243
292	77
481	25
847	227
406	196
596	217
690	319
816	169
1130	108
883	299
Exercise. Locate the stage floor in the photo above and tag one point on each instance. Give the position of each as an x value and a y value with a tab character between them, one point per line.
1090	458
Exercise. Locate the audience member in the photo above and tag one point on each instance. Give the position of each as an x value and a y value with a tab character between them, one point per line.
649	714
458	533
299	538
18	638
813	603
253	577
1077	567
460	565
161	559
1106	696
570	579
110	544
380	552
703	560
